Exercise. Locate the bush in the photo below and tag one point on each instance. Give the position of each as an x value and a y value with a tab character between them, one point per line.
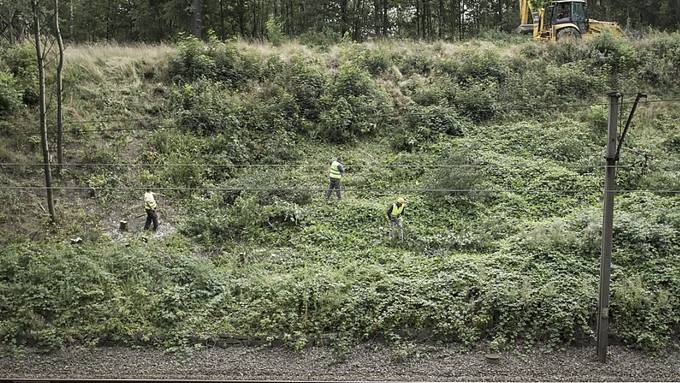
193	61
306	81
473	66
323	39
419	63
477	101
216	60
659	62
20	62
572	80
376	61
206	107
421	125
248	218
10	96
354	106
274	31
597	118
613	54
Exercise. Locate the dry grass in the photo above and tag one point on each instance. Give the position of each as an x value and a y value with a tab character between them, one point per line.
95	62
285	51
115	54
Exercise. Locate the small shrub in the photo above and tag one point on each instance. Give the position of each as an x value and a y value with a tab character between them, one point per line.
473	66
352	107
420	125
306	81
376	61
193	61
477	101
573	80
20	61
206	107
10	96
614	54
323	39
415	63
274	31
597	118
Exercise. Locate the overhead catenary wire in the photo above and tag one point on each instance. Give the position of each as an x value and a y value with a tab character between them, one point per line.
322	189
292	165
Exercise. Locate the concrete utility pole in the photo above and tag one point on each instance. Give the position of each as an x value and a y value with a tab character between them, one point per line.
614	145
607	228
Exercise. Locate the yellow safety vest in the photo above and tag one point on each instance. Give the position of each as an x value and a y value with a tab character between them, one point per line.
149	201
396	211
335	170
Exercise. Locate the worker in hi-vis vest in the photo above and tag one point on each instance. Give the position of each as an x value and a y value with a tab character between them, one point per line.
336	172
150	207
395	212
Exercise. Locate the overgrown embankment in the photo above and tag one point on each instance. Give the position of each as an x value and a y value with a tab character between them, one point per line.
495	145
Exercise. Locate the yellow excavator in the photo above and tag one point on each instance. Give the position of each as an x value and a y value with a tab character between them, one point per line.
561	20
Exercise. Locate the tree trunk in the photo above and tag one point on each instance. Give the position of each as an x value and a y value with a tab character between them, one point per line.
376	17
253	31
222	31
197	18
385	19
10	27
461	19
43	121
59	84
440	20
343	17
108	20
452	20
418	28
499	13
241	18
70	22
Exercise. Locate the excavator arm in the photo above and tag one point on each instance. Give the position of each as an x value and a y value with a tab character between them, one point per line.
526	18
525	12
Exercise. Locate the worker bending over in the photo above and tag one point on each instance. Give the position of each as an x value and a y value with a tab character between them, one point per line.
395	213
150	207
336	172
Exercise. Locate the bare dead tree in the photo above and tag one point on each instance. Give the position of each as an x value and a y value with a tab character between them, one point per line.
59	90
43	120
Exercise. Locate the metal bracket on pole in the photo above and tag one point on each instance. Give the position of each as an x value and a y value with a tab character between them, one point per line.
630	118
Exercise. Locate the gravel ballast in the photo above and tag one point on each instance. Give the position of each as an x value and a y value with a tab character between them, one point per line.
365	362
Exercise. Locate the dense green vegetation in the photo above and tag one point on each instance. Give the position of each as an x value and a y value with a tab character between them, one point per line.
497	147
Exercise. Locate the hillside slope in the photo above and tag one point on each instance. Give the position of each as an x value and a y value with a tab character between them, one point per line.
496	146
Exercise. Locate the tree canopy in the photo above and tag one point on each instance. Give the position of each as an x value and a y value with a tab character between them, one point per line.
157	20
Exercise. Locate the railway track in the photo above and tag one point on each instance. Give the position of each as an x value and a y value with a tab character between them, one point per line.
81	380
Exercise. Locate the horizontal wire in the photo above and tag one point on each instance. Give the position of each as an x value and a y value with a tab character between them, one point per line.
323	189
291	164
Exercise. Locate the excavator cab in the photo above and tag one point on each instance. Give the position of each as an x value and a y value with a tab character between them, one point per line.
572	13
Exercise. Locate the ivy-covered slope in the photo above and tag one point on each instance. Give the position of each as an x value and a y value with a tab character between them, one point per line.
496	145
